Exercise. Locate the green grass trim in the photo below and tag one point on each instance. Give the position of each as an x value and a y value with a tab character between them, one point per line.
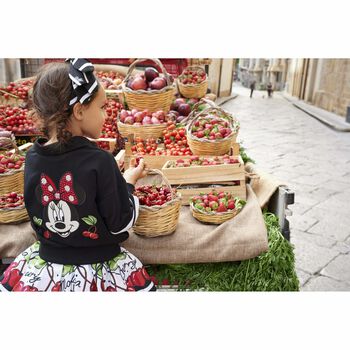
273	270
244	155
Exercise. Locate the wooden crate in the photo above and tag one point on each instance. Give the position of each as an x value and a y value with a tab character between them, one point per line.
237	190
111	142
154	162
200	174
120	160
157	162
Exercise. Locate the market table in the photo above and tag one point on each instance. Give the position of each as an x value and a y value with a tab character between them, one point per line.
238	239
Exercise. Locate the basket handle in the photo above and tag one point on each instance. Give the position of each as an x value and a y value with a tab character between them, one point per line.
158	172
195	108
13	144
206	111
155	60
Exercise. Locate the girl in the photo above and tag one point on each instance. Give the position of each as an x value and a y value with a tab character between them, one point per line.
79	204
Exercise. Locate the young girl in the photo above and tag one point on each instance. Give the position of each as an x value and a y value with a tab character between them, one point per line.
79	204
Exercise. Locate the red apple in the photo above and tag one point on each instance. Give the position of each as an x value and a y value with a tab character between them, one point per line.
147	120
139	117
184	109
151	73
129	120
157	84
139	84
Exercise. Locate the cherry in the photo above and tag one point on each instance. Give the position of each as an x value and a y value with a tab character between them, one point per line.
15	276
8	271
19	287
93	286
29	289
56	287
86	233
155	195
110	289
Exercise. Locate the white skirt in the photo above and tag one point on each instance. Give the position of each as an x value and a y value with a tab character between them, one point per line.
28	272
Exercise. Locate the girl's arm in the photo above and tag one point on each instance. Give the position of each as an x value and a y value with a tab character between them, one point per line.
117	206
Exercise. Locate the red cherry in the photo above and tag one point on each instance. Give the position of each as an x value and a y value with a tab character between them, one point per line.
19	287
110	289
86	233
93	286
56	287
15	276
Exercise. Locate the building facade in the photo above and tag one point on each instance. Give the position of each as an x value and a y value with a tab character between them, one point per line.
263	71
322	82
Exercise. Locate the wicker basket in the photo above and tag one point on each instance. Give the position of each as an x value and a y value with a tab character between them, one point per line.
153	100
13	180
213	218
193	90
13	215
143	131
212	147
158	220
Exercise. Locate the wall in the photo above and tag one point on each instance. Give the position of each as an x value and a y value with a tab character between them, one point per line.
10	70
333	92
322	82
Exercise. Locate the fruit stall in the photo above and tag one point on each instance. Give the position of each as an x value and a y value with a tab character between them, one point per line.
209	219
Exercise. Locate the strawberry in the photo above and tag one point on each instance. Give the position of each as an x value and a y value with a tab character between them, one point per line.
213	205
231	204
212	197
222	208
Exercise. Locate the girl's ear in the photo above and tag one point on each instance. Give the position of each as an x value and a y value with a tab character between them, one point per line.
78	111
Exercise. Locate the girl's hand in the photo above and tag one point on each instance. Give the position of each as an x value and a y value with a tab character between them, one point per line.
120	164
132	174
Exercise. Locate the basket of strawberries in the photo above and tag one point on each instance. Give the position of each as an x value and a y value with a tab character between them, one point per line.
215	207
12	209
11	165
212	132
149	90
193	82
159	206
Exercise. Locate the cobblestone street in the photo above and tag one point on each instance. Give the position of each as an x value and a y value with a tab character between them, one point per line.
314	161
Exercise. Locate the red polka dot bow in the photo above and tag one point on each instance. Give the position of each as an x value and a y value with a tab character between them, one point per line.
50	193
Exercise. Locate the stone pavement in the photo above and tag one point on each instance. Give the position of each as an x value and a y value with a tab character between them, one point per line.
314	161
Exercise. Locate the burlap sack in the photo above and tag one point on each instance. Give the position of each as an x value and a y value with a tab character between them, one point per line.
15	238
264	186
241	238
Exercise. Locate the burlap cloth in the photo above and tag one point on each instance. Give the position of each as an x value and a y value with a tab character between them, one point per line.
241	238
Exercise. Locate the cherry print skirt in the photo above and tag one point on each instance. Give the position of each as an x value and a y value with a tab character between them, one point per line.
28	272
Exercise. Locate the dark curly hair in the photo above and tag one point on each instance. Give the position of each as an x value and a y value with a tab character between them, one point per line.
52	92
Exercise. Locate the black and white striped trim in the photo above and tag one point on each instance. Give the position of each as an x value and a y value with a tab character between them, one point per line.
83	80
134	201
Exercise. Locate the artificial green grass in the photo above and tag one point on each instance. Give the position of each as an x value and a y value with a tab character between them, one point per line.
273	270
244	155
